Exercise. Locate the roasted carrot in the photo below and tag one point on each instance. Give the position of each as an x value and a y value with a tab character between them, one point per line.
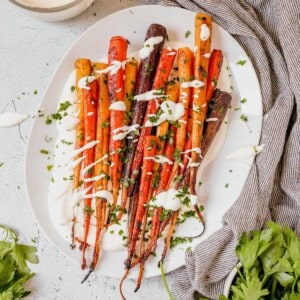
82	69
163	70
90	97
169	236
185	73
214	69
146	72
101	150
117	53
163	134
162	186
131	69
147	169
203	29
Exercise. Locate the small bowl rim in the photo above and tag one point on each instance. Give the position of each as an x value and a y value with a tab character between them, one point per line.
44	9
230	277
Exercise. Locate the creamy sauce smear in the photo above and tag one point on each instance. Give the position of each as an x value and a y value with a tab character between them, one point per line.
11	119
62	201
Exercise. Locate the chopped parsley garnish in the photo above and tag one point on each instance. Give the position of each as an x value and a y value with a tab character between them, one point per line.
35	92
187	34
43	151
244	100
1	164
179	240
73	88
244	118
226	185
241	62
49	167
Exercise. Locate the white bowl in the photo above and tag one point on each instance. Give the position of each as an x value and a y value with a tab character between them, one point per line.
52	10
230	278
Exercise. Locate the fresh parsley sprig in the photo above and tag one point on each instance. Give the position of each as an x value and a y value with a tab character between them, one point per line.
14	271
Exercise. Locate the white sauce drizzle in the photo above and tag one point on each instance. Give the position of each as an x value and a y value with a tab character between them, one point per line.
68	123
160	159
169	200
118	105
83	148
150	95
88	167
84	81
171	111
113	69
121	132
207	55
211	119
194	83
245	151
204	32
148	46
95	178
101	194
11	119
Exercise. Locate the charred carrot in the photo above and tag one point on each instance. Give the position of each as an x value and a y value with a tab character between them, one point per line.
203	28
147	169
163	70
116	55
146	72
162	186
90	97
214	69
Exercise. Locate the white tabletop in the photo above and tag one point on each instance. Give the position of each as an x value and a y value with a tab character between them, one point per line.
30	51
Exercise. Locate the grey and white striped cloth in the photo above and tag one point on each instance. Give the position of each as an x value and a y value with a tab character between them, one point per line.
269	31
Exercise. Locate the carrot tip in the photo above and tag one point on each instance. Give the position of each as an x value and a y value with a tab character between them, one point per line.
87	275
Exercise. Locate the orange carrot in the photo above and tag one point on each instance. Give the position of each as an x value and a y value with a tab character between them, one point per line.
185	63
82	68
117	53
131	69
147	169
90	98
203	29
101	150
214	69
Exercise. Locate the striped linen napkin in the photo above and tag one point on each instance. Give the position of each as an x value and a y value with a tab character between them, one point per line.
269	31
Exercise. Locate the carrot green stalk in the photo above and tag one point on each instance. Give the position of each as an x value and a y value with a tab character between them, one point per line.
90	97
214	69
161	77
203	28
82	68
185	73
116	54
131	69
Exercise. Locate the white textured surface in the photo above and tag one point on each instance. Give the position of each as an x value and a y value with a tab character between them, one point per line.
30	51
